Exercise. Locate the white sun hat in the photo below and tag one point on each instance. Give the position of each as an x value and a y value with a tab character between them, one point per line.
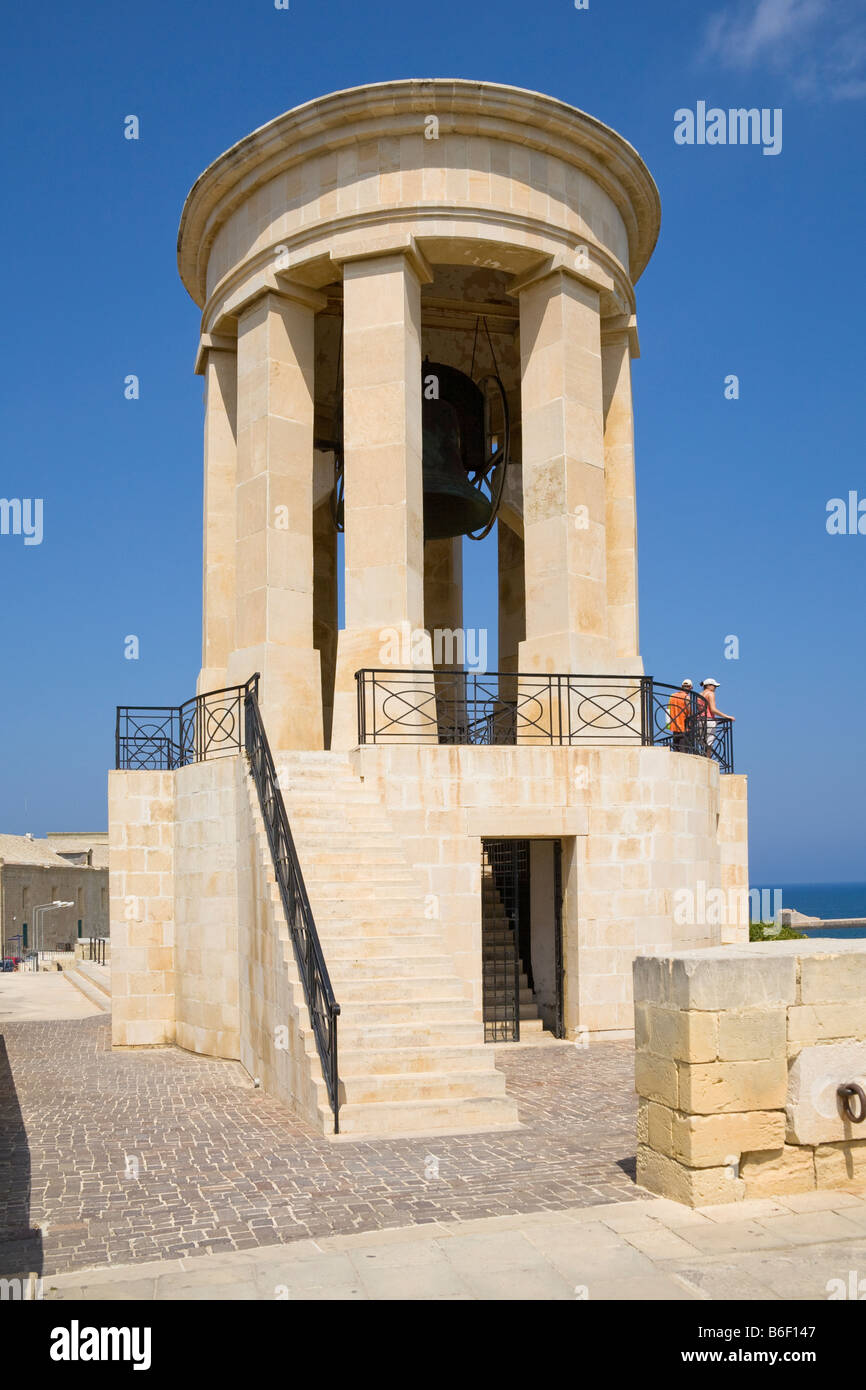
687	682
709	681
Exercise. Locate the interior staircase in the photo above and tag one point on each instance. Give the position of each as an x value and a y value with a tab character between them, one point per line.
411	1051
500	955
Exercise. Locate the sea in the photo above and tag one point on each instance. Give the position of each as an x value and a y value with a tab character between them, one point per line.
827	900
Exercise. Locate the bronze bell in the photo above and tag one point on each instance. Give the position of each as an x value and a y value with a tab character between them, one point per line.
452	449
452	506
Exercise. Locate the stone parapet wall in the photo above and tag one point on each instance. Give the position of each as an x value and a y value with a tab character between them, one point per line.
739	1053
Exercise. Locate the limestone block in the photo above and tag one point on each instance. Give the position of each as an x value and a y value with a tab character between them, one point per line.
816	1023
694	1187
708	1141
813	1110
833	977
752	1034
712	1088
655	1078
741	978
660	1119
678	1034
773	1172
837	1165
643	1109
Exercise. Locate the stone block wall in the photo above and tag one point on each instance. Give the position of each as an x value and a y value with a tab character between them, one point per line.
174	910
639	827
201	955
141	907
277	1044
738	1055
206	906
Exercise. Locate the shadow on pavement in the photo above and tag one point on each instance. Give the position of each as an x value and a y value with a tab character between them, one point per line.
20	1245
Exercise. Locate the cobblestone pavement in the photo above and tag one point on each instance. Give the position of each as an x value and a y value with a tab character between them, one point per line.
222	1166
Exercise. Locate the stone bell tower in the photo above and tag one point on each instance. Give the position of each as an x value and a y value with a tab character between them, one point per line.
331	252
418	322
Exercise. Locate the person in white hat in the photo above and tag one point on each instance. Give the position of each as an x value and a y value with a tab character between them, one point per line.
714	714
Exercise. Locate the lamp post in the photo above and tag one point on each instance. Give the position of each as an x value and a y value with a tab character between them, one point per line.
39	939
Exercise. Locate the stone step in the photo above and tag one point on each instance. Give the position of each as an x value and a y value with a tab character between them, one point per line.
427	1116
388	967
401	1061
362	1014
98	975
343	918
493	1015
321	819
501	979
494	995
301	799
376	841
334	926
359	869
368	890
375	1037
88	988
405	989
384	947
445	1087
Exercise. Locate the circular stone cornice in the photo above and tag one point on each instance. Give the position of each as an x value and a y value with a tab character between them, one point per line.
393	108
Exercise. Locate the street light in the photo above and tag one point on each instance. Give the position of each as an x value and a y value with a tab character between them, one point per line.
39	942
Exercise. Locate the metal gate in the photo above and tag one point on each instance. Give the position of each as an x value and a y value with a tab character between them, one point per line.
504	890
557	939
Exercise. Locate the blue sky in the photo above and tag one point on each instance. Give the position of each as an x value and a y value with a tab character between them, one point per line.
757	273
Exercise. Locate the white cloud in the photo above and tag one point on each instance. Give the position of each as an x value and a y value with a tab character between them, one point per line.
819	44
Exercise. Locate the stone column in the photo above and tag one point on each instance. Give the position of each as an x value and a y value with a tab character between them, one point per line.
563	476
274	505
219	367
384	519
618	344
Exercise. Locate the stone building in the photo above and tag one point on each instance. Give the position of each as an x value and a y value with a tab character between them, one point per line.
418	324
33	873
81	846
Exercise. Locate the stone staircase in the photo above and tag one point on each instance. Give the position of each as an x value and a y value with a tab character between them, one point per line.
411	1051
499	958
93	981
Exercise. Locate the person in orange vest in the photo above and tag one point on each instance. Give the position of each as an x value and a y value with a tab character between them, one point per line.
714	714
679	710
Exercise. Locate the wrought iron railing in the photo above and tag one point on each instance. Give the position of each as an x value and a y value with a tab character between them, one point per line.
150	737
323	1007
163	737
501	708
96	950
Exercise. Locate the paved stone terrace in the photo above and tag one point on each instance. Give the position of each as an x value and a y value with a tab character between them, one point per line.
225	1167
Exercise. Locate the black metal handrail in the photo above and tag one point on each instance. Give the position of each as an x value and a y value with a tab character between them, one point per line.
167	737
505	707
96	950
318	992
152	737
